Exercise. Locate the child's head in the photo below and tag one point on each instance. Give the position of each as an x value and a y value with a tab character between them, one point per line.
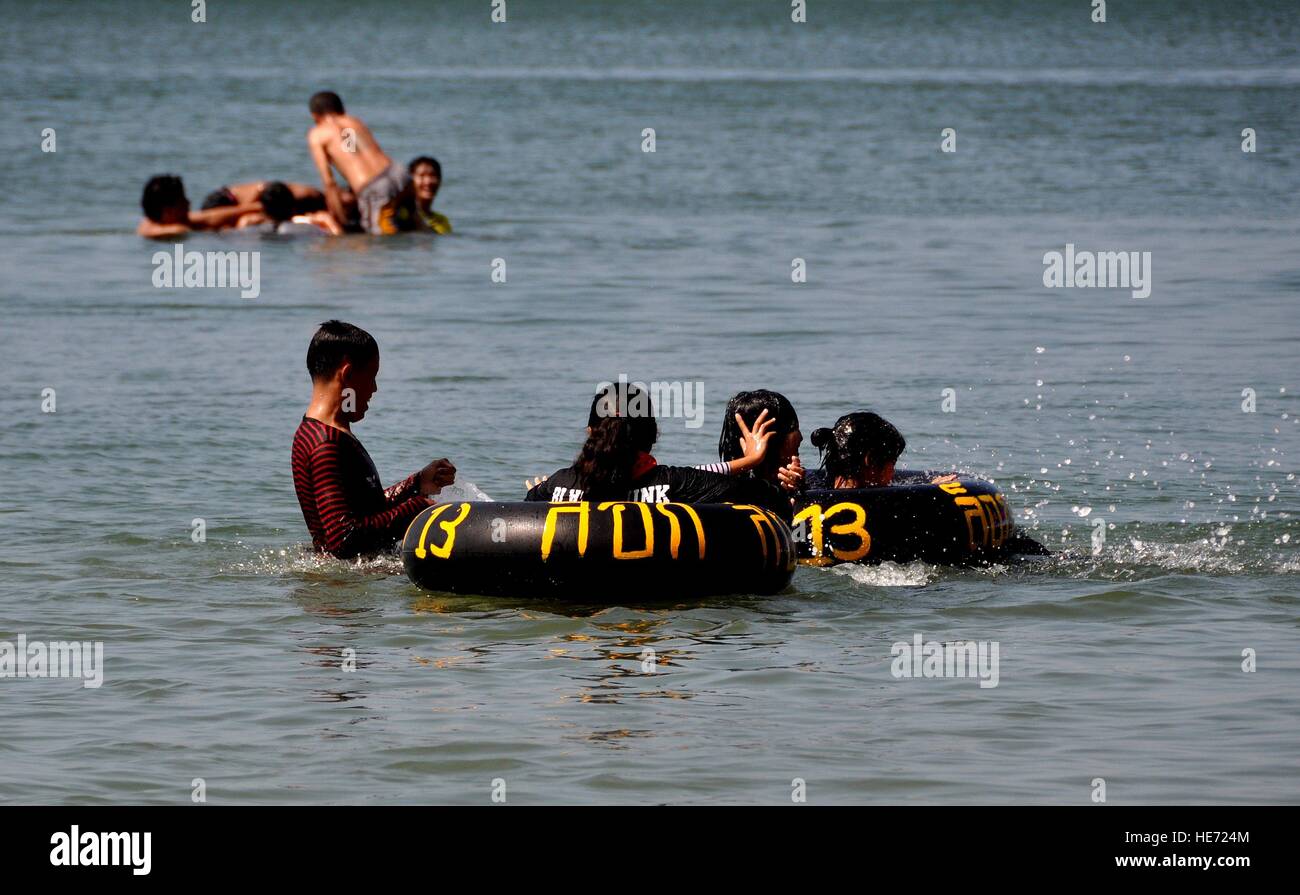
786	436
342	356
325	103
164	200
860	450
426	178
277	201
620	427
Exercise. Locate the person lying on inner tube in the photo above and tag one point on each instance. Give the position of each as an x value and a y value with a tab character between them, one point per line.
780	466
615	462
280	207
859	452
167	211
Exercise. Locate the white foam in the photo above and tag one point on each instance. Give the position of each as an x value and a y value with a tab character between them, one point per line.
889	574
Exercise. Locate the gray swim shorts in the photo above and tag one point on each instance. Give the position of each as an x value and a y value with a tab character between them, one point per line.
378	200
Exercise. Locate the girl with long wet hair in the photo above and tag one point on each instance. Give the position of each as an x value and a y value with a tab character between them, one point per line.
615	462
780	465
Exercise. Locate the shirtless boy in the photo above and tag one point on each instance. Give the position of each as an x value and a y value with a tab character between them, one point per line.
383	189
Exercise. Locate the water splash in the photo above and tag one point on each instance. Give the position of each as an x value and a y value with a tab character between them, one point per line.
462	490
889	574
302	559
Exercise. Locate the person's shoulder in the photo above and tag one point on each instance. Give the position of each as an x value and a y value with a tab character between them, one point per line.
314	433
561	478
697	473
700	483
153	230
566	476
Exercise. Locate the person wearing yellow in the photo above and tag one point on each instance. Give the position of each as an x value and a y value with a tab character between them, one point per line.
426	175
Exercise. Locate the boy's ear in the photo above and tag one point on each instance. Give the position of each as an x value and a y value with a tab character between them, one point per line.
344	371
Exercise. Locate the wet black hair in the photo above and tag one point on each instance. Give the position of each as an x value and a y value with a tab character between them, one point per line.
425	160
326	102
277	201
161	193
222	198
857	438
622	426
749	405
335	342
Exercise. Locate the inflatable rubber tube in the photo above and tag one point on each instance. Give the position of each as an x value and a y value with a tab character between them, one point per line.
967	521
608	551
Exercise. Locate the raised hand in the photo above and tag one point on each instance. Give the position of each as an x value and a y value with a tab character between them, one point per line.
753	442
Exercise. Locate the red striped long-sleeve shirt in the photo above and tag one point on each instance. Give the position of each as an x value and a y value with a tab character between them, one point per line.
346	509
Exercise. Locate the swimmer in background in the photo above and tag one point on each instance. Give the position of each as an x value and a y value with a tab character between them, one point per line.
383	189
780	465
167	210
306	198
615	463
426	177
347	510
280	206
860	452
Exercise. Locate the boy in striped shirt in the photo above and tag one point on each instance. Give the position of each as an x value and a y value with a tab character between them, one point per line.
348	512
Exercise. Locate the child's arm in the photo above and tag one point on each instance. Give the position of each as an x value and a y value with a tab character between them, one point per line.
225	216
333	198
154	230
324	220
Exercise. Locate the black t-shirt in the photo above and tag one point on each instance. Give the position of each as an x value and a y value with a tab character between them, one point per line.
676	484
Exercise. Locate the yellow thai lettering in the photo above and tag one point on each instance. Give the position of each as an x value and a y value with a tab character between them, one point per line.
552	515
976	511
675	528
619	506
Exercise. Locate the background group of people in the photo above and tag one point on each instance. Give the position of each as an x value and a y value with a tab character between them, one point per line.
381	197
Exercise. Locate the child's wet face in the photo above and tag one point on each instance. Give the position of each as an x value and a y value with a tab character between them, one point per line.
426	182
363	381
790	446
